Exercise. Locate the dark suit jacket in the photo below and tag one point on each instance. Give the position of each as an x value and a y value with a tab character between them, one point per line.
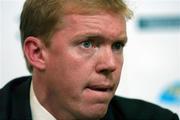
15	105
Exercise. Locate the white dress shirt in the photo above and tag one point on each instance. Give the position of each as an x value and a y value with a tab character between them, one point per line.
37	110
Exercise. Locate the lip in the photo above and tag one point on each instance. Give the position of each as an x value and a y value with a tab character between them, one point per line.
101	93
101	88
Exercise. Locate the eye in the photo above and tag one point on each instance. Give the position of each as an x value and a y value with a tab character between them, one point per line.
87	44
117	46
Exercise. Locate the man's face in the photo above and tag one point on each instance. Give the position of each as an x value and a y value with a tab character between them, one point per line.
84	63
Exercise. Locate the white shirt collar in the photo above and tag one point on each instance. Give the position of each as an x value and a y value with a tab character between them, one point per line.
37	110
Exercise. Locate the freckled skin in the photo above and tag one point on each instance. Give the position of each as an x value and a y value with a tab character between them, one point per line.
74	71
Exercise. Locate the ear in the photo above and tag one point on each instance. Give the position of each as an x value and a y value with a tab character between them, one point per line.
34	50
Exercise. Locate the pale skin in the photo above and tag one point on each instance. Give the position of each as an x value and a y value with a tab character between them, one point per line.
76	77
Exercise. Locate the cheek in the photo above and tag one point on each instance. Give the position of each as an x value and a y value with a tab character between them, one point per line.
71	70
120	62
66	80
70	80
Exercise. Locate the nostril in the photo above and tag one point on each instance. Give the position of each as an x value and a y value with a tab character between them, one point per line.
105	72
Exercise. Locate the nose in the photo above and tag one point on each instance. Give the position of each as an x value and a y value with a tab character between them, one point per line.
106	62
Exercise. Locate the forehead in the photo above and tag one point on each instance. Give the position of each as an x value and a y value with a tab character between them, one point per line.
90	6
102	23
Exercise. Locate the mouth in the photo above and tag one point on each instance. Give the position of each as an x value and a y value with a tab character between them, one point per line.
101	88
101	93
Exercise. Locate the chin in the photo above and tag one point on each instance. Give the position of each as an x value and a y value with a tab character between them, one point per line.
95	112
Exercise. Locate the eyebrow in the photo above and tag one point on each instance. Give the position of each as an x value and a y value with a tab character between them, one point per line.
123	39
100	38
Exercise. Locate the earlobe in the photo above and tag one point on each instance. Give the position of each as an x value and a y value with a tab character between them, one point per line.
34	51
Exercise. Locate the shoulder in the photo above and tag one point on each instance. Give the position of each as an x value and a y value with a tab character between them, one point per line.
13	85
141	110
12	95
